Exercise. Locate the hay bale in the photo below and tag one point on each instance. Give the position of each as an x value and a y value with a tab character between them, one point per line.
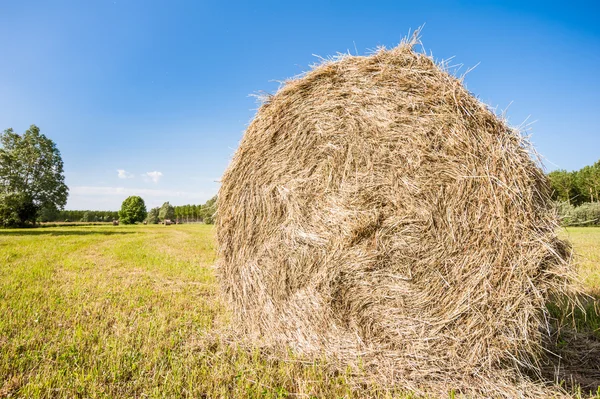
376	209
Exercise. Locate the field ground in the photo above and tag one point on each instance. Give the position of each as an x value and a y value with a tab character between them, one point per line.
132	311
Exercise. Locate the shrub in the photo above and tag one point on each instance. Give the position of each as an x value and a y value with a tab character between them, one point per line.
587	214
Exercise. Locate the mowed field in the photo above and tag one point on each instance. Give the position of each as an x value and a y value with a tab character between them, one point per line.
133	311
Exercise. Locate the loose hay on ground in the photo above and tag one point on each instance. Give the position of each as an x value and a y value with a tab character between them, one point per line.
376	210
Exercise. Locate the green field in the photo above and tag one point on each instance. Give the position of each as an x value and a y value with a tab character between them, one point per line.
133	311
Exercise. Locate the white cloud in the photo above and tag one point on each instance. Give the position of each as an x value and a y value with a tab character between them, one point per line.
153	176
123	174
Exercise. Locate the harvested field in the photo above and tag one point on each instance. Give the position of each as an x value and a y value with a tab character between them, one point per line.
133	311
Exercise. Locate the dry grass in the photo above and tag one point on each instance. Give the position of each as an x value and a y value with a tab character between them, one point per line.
376	210
587	256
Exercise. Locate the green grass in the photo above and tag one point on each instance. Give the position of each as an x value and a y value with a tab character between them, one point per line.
132	311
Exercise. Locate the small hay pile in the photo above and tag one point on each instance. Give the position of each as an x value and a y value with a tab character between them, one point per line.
375	209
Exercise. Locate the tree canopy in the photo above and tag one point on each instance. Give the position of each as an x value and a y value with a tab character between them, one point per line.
31	176
132	210
576	187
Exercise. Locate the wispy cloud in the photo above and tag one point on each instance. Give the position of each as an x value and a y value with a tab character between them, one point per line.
123	174
153	176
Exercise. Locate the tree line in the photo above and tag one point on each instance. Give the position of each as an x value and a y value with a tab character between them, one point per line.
54	215
133	210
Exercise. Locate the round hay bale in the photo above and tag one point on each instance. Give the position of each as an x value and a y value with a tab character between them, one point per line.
377	209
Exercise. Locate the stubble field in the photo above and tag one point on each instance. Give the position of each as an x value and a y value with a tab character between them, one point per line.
133	311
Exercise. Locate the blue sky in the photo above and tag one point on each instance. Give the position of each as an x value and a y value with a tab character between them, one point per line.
152	97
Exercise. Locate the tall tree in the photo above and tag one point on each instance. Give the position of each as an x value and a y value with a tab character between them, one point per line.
166	212
195	212
153	216
588	180
209	210
563	185
31	174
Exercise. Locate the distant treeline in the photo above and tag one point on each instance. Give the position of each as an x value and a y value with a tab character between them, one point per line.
196	213
51	215
190	213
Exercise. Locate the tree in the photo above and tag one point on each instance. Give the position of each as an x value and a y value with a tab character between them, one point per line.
153	216
166	212
31	174
209	210
132	210
563	185
48	214
16	209
588	180
195	212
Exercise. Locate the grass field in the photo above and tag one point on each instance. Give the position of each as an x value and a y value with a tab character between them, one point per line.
132	311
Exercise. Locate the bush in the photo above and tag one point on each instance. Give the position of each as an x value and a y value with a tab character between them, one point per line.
587	214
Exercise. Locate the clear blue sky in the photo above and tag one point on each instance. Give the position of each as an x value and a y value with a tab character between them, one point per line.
163	86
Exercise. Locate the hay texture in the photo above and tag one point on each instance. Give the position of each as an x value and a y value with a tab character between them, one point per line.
376	210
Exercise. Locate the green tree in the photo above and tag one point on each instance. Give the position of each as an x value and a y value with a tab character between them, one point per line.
563	185
31	174
166	212
86	217
209	210
588	181
132	210
195	212
48	214
153	216
16	209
